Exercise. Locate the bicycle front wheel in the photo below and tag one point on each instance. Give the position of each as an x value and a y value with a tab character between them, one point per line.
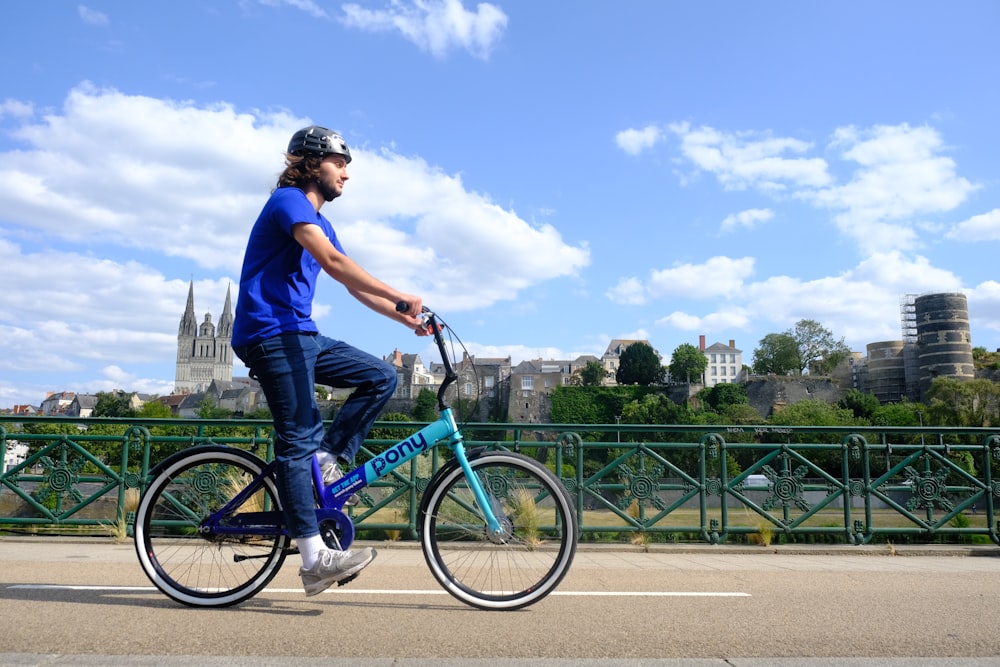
194	566
531	554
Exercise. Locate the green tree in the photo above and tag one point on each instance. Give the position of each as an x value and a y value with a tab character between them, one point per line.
982	358
903	413
154	410
742	413
258	413
592	405
818	349
812	412
113	404
425	406
639	364
390	433
209	410
655	409
592	374
687	363
954	402
776	354
861	404
723	395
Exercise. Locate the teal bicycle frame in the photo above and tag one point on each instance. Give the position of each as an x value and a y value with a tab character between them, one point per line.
333	498
382	464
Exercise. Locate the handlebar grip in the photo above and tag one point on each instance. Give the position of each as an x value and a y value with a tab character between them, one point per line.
403	307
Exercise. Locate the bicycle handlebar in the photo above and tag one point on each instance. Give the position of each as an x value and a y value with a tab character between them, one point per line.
432	325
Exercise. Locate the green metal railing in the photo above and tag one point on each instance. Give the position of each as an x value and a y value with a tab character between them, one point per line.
638	482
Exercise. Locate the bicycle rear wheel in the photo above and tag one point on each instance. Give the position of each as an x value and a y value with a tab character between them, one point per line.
197	568
514	569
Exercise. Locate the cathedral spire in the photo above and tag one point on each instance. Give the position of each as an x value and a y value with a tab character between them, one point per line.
226	321
189	324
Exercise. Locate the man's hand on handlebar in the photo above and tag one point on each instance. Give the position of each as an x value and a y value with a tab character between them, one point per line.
411	310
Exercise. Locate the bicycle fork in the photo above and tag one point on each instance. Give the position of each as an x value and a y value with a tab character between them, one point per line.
494	529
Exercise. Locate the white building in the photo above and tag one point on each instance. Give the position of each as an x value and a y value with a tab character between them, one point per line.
14	455
725	363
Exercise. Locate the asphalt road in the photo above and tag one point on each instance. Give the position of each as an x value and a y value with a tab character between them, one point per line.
88	603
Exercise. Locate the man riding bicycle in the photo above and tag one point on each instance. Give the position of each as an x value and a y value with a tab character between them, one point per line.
275	336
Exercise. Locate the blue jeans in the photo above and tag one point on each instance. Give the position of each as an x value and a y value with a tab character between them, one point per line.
289	367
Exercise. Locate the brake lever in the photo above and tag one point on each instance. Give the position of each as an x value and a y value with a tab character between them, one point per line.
430	324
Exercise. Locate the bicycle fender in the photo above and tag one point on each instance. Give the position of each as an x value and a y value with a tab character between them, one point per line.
471	455
184	453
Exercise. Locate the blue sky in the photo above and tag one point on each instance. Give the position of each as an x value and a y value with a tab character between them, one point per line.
549	176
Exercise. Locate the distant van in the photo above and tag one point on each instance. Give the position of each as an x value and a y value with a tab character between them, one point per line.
756	481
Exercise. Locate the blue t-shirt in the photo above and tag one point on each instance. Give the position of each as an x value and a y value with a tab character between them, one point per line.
278	280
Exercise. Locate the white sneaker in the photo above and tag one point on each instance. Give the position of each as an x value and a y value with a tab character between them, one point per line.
331	473
332	567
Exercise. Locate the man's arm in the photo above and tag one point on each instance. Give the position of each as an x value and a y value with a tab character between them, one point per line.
363	286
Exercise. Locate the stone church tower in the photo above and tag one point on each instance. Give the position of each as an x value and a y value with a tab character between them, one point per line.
204	352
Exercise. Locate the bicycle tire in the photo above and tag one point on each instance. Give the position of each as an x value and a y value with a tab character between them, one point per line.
202	569
539	537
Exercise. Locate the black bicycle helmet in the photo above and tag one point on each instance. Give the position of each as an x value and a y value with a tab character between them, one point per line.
316	140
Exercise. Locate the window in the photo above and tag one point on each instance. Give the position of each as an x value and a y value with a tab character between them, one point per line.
489	382
722	371
528	382
468	389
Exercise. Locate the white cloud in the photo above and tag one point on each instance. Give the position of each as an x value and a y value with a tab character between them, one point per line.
901	177
139	172
860	304
984	227
435	26
160	176
92	16
727	319
177	186
629	291
748	219
308	6
899	180
750	160
984	306
481	253
634	141
717	277
127	313
16	109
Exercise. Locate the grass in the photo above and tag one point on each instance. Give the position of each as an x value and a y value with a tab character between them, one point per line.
526	516
234	483
745	518
641	538
118	529
394	534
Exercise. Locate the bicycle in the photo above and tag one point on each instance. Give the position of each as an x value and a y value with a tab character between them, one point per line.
497	529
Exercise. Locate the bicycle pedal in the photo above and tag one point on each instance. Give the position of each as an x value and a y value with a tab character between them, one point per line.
344	582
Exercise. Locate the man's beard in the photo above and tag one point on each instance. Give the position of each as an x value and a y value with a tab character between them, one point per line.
329	194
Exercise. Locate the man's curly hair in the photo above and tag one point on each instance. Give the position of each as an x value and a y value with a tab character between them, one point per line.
300	170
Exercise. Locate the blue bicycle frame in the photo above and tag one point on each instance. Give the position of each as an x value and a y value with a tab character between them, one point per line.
333	498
